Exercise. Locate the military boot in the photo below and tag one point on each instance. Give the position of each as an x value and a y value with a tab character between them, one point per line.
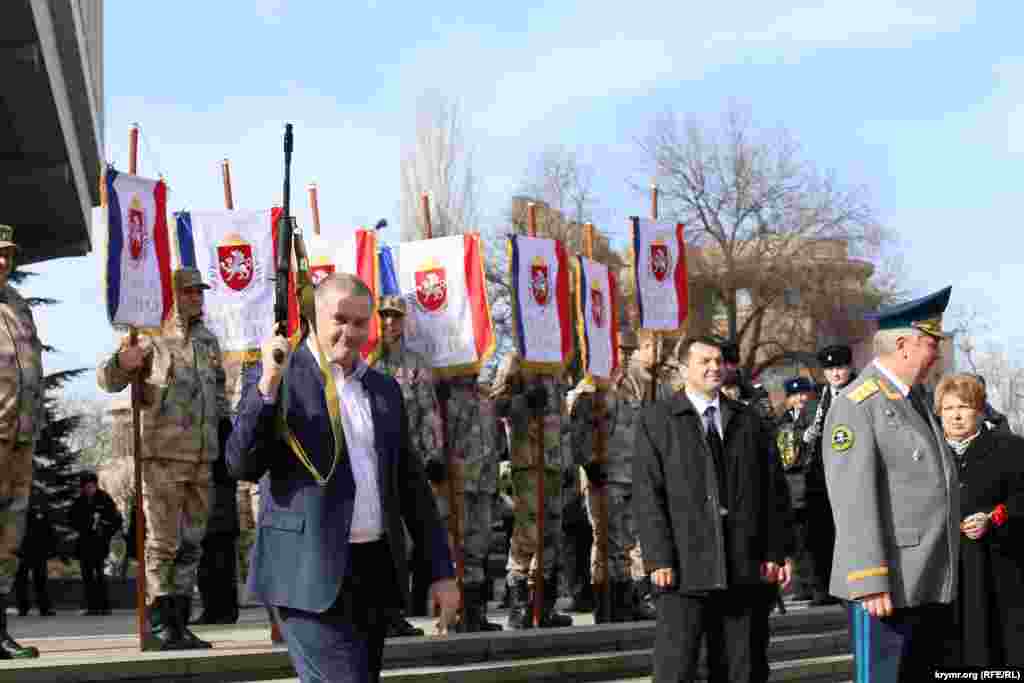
520	614
549	617
399	627
164	632
602	607
9	647
183	608
643	600
474	611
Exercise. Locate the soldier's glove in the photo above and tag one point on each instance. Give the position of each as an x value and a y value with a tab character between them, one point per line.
537	399
596	473
443	390
437	471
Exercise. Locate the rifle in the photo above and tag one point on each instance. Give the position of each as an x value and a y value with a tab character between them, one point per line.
285	229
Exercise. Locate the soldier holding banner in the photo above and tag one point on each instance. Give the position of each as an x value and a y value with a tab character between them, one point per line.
21	403
185	422
518	402
416	379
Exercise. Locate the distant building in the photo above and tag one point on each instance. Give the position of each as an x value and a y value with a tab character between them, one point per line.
51	123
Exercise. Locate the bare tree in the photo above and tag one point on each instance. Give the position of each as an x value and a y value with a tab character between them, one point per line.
1004	382
770	237
92	438
438	161
561	185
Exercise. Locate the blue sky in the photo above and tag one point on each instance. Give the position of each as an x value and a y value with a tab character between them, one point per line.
922	103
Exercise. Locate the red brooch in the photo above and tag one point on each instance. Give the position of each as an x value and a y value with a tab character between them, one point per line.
998	515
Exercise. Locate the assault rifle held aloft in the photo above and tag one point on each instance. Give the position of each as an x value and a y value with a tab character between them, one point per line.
285	229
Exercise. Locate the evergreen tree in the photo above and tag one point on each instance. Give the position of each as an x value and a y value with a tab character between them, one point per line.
55	476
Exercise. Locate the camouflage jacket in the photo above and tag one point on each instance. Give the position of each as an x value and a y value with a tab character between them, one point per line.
183	399
415	377
21	371
472	433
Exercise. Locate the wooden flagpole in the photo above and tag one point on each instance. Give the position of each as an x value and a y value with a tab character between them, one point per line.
537	425
314	204
454	506
658	340
136	393
229	200
600	455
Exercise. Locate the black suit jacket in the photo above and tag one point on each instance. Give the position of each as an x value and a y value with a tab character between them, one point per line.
675	493
301	555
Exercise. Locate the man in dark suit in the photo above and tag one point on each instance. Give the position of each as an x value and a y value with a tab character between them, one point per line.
710	509
339	481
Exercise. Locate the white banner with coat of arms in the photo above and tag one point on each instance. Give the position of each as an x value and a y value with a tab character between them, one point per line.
234	253
661	281
597	318
449	320
539	271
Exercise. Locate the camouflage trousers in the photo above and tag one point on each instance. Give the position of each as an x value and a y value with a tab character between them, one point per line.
15	486
176	500
613	502
522	554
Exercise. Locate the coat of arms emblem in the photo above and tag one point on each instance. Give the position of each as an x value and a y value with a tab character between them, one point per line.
235	262
319	269
137	236
659	260
540	281
597	306
431	286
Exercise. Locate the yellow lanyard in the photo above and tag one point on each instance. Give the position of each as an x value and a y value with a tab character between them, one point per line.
333	410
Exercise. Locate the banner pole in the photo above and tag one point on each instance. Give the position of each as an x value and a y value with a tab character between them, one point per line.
314	204
229	200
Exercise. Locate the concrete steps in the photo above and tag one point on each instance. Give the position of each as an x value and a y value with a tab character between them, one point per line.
808	645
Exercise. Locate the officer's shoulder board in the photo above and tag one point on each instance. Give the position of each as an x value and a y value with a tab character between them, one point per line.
865	391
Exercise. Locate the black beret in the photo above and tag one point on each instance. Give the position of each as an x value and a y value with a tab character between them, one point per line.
836	356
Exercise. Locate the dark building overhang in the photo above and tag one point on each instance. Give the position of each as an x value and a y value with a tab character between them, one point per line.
51	122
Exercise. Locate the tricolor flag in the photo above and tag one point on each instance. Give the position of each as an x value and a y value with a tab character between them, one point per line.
597	315
234	252
539	271
449	319
354	253
138	272
660	270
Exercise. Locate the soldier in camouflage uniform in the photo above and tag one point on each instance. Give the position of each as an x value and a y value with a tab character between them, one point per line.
416	378
518	401
609	486
21	404
185	423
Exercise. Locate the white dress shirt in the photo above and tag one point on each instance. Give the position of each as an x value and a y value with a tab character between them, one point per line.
357	422
701	403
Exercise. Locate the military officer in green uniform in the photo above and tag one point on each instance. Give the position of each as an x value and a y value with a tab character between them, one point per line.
894	492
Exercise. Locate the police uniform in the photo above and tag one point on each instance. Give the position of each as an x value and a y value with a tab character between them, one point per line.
894	494
185	423
821	530
793	453
21	406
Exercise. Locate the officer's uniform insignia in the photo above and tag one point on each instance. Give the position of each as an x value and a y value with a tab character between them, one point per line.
864	391
890	391
842	438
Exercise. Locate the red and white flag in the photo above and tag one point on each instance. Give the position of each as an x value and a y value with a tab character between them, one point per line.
539	270
138	260
597	317
449	319
234	252
660	271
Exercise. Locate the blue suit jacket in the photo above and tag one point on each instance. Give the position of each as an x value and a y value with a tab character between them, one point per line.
301	554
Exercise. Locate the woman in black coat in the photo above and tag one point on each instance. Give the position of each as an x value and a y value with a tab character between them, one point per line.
990	465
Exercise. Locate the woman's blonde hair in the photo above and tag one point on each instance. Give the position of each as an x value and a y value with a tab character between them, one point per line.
967	388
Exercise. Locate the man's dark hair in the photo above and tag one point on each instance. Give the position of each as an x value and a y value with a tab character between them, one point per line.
706	340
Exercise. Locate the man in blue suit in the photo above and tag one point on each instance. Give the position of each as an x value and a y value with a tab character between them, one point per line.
328	439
